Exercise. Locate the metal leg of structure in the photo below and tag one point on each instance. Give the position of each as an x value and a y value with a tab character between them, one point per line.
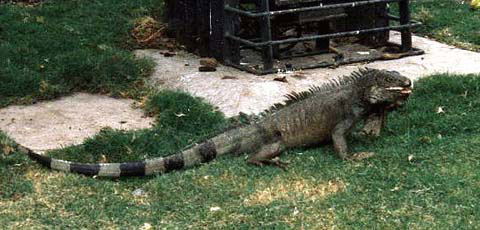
266	35
203	26
323	44
217	33
404	20
190	25
232	47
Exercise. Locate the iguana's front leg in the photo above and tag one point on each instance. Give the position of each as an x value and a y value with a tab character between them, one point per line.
266	155
374	124
339	139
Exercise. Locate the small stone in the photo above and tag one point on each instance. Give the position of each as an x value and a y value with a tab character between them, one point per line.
209	62
207	69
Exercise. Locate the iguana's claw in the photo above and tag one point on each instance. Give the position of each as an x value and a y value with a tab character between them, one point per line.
280	164
277	163
360	156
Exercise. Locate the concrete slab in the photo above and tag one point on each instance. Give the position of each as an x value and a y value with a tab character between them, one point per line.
69	120
252	94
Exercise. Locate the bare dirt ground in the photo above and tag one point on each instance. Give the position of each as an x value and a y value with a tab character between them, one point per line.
70	120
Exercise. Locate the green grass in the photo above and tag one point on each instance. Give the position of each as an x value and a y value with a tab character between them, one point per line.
448	21
61	46
425	175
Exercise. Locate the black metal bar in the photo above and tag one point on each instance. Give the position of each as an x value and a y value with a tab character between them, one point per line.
190	25
404	20
203	18
231	48
304	9
266	34
179	19
310	38
250	69
217	17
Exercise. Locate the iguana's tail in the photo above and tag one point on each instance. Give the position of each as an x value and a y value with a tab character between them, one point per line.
236	140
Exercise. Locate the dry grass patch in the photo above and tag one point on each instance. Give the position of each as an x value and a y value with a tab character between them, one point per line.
293	189
149	33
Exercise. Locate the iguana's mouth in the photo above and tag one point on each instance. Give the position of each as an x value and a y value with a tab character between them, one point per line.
402	90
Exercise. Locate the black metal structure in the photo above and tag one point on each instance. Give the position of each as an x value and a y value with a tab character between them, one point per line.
266	36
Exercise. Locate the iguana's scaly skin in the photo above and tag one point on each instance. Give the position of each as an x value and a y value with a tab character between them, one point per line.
307	118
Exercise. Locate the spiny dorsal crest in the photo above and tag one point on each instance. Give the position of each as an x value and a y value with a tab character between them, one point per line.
332	84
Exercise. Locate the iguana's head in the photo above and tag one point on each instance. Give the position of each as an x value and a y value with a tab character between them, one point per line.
389	88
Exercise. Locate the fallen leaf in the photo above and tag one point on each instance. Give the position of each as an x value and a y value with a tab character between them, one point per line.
103	159
146	226
229	77
410	158
281	79
138	192
40	19
295	211
425	139
168	54
7	149
440	110
396	188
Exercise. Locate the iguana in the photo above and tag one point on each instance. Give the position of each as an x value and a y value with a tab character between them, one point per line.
328	112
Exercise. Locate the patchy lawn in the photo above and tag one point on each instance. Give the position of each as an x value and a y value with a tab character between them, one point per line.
425	175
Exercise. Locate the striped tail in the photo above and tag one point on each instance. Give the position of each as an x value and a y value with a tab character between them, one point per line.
239	140
198	154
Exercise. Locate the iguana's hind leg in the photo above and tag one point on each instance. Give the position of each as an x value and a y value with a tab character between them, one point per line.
266	155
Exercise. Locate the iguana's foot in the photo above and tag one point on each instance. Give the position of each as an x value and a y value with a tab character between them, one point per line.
362	134
361	156
274	162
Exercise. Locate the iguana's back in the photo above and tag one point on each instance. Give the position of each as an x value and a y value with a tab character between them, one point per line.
312	120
